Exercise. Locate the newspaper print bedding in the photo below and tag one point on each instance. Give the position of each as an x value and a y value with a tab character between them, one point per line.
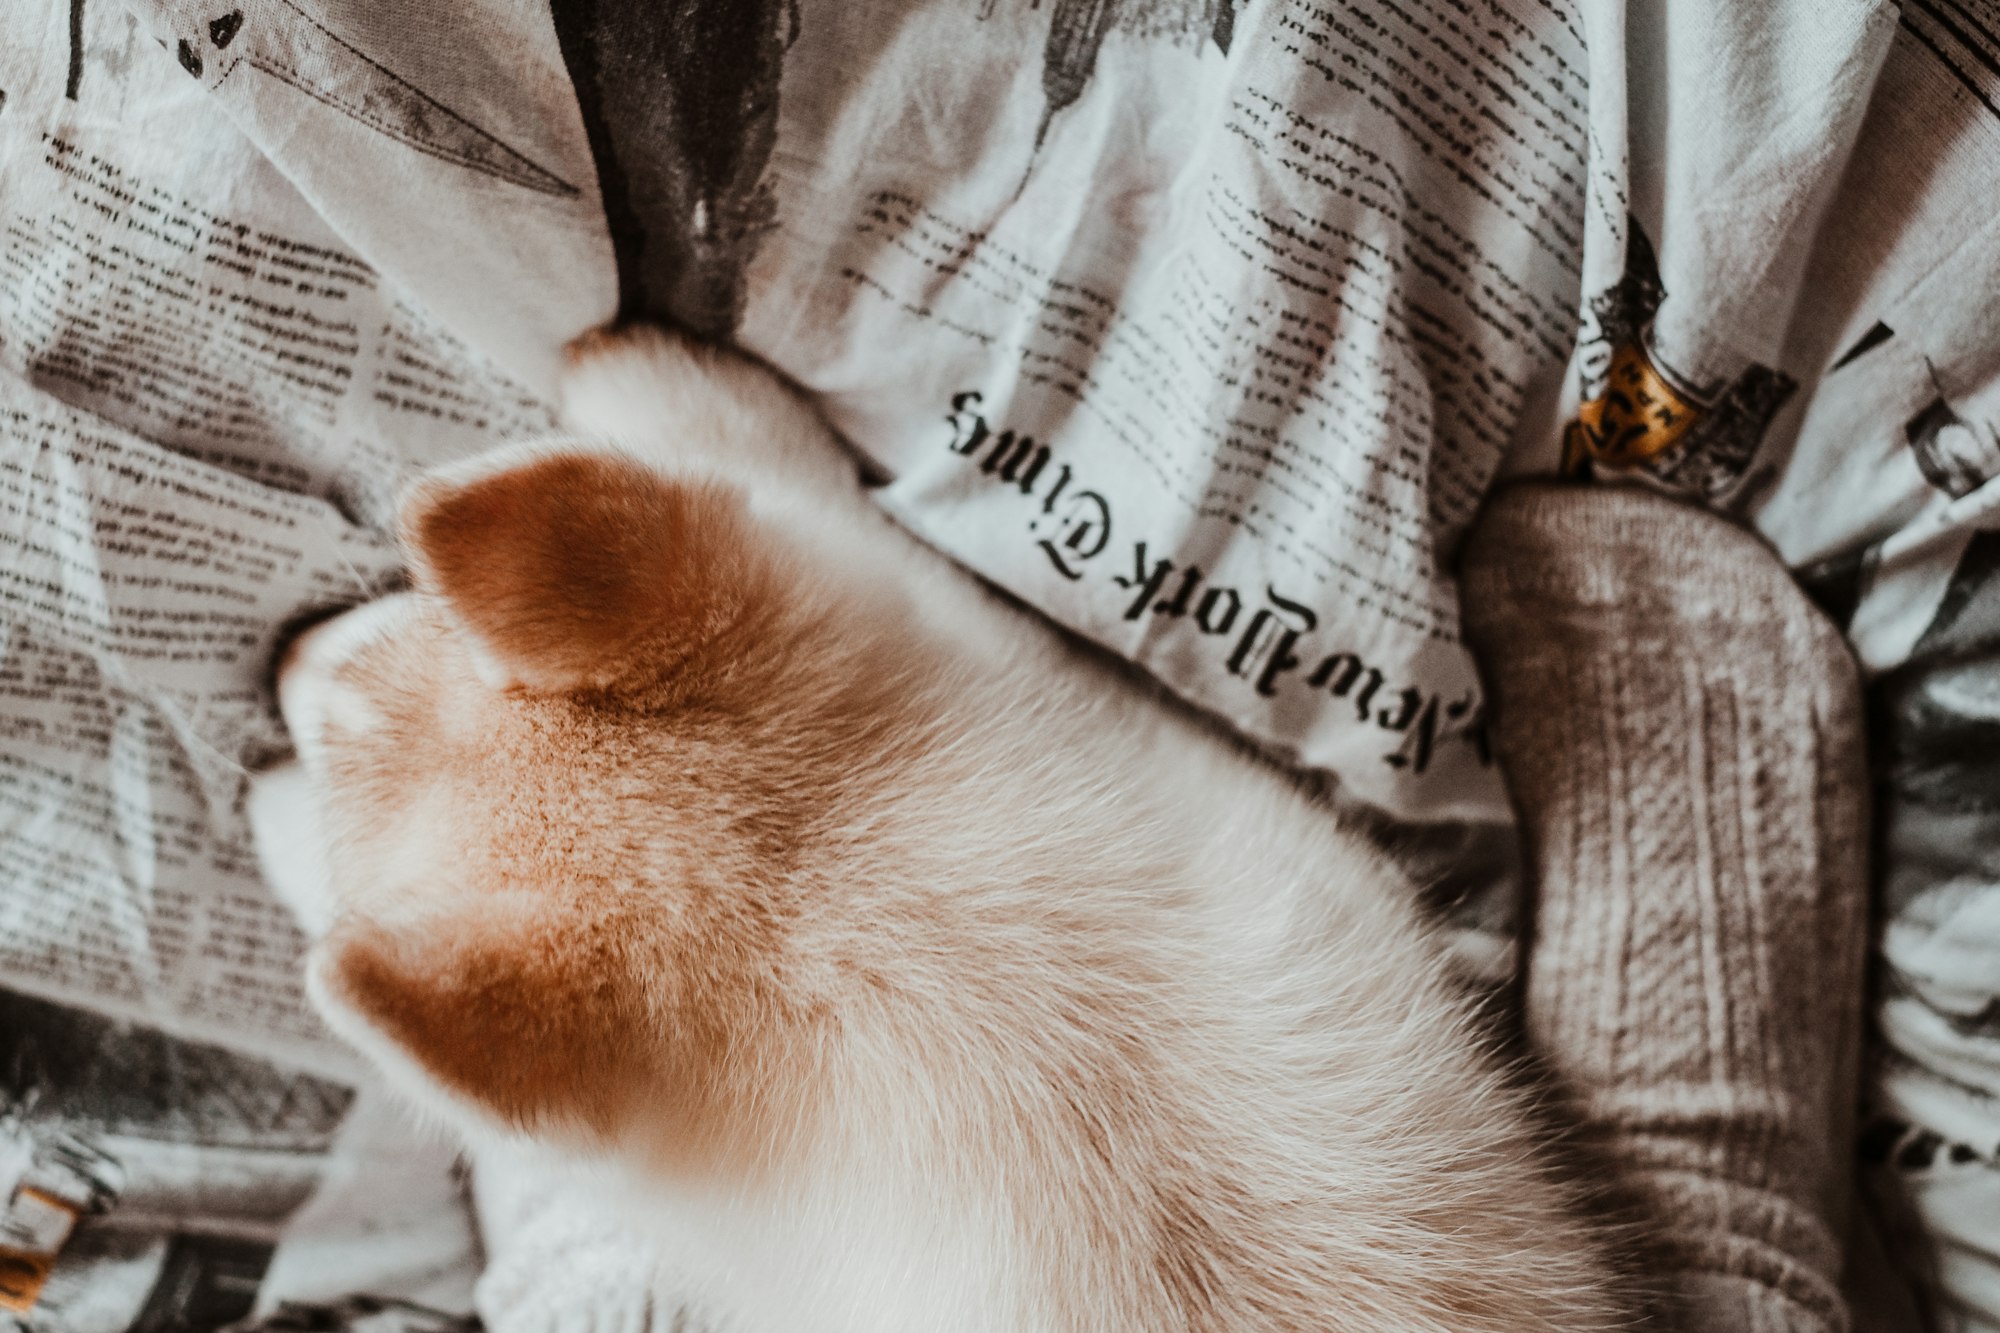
1202	325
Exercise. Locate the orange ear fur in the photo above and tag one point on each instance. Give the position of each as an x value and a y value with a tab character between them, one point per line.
571	569
524	1007
560	1008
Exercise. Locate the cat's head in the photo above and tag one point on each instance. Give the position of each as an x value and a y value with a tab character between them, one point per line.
549	809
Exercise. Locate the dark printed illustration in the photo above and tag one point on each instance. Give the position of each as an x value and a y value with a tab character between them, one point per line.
143	1174
1878	333
1963	39
1077	29
1638	413
680	102
1941	717
74	82
1957	455
277	38
1956	449
1836	582
1937	718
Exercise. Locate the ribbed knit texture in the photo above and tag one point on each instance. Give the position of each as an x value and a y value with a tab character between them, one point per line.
1682	733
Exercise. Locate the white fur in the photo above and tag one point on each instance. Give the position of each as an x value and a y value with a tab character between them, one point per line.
311	695
285	829
1313	1051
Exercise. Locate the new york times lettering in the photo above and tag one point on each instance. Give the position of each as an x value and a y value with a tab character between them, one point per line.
1077	522
1268	636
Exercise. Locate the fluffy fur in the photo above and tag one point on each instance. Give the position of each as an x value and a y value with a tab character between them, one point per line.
909	971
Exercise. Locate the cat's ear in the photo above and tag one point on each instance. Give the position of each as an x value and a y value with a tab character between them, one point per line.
577	569
530	1008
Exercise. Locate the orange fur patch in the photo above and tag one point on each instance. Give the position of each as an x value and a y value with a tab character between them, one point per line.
569	567
516	1005
553	1008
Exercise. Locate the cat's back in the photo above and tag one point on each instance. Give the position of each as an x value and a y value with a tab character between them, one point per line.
1175	1045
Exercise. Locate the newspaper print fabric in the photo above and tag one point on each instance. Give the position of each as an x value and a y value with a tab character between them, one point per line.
1202	325
156	1183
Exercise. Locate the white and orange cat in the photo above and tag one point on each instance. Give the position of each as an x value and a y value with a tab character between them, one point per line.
903	968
